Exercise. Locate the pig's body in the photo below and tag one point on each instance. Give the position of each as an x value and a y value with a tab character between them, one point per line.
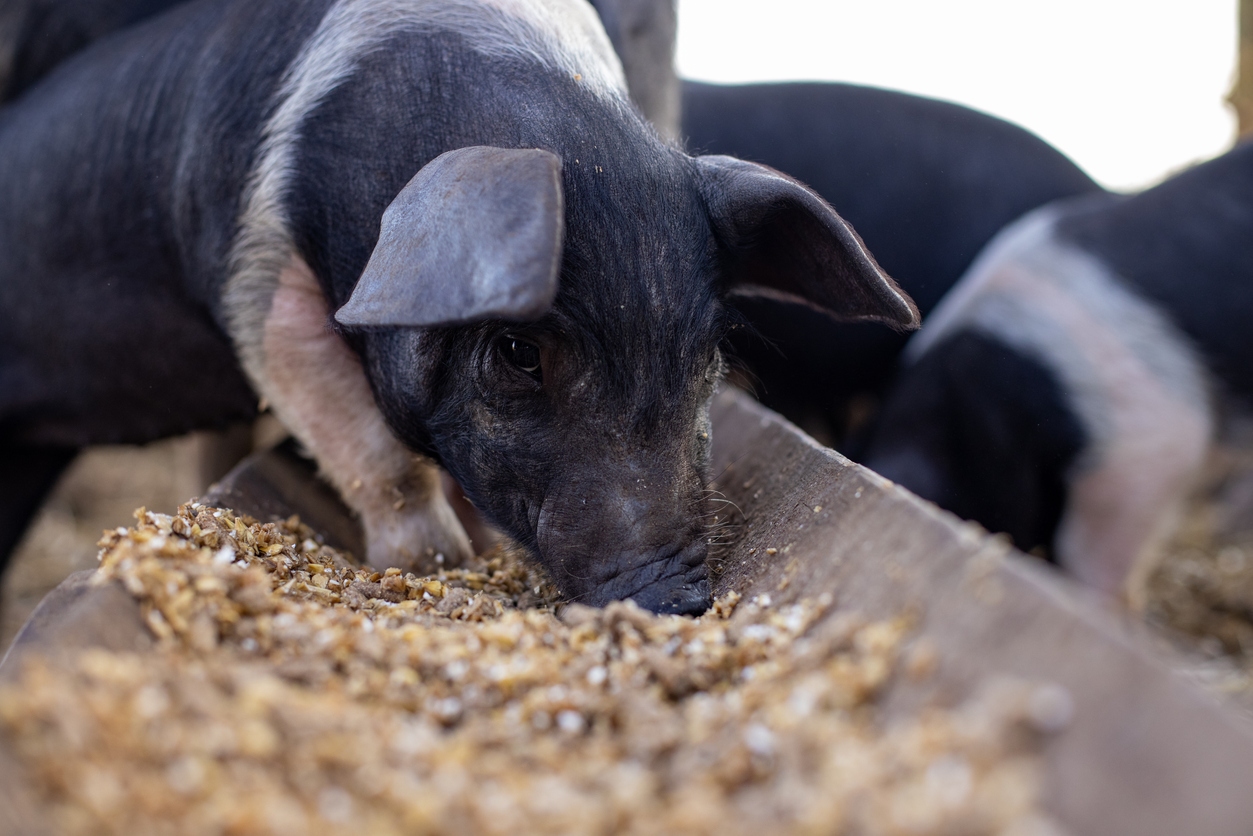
170	204
99	339
925	183
36	35
1062	392
113	255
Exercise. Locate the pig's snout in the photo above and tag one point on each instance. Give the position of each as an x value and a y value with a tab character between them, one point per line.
677	584
686	599
632	532
613	551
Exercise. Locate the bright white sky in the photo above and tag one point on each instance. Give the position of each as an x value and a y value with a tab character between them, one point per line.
1130	89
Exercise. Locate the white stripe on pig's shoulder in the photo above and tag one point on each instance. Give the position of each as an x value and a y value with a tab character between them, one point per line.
562	35
1059	304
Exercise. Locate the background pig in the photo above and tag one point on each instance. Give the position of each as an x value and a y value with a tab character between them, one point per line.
36	35
925	183
539	312
1062	391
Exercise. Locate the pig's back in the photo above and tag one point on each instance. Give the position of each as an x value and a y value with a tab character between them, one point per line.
37	35
1187	245
120	178
925	183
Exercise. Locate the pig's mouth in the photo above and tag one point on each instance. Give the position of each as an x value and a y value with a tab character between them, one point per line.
674	585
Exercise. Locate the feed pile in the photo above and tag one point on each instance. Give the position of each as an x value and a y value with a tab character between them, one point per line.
1201	591
292	692
1204	588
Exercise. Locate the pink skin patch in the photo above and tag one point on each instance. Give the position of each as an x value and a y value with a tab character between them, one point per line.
316	386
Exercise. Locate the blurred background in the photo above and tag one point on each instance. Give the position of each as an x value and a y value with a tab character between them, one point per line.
1131	90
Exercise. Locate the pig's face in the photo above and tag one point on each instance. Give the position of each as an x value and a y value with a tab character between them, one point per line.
590	450
581	426
585	434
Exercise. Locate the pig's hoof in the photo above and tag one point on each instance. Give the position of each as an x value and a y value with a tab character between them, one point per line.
422	543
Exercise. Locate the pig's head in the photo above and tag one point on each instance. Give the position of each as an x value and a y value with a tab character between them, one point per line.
550	334
984	430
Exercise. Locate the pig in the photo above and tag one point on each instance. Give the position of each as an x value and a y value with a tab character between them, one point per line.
429	234
926	184
37	35
1064	392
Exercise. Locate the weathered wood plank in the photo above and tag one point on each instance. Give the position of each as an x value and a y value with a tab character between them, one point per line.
1147	752
76	615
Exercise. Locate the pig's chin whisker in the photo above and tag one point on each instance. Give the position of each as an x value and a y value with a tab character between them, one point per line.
716	544
577	599
721	524
733	364
580	598
718	502
720	537
578	576
724	501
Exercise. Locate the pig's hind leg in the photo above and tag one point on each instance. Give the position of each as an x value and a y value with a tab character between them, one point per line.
317	387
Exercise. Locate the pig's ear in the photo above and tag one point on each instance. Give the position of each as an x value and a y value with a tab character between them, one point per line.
780	239
475	235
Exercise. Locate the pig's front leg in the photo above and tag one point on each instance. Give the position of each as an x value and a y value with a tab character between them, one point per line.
317	387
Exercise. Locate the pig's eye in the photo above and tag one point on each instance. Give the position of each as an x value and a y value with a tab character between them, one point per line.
522	354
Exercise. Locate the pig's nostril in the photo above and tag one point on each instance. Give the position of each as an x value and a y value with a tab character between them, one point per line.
691	598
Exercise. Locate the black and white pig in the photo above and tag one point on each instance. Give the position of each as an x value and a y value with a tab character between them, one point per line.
426	232
925	183
1063	391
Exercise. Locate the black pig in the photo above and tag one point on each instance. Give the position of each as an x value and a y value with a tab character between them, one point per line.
540	313
643	34
36	35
